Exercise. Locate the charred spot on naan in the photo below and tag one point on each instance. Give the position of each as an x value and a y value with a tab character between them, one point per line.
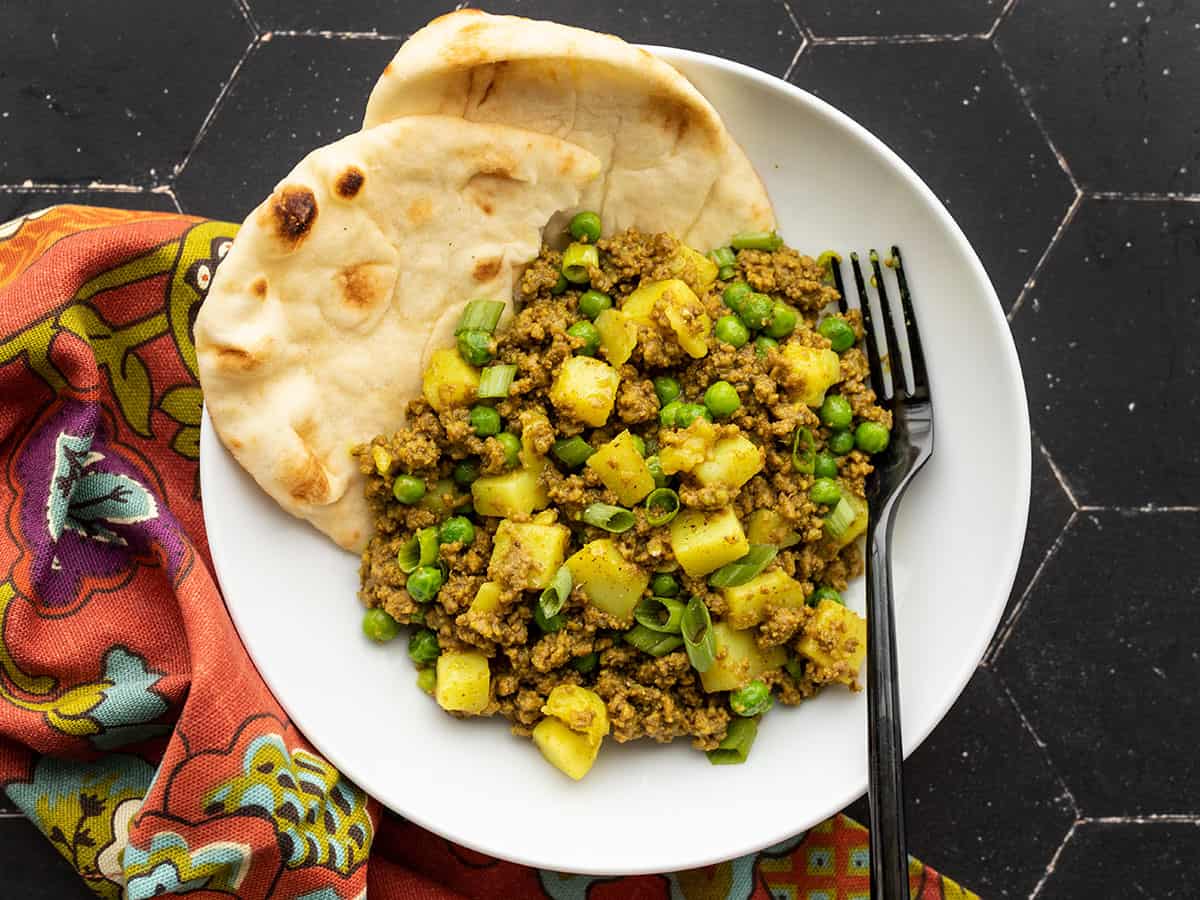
678	118
231	360
366	285
306	481
487	269
290	214
258	287
349	183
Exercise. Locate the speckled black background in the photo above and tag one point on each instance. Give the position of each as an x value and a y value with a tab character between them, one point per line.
1063	136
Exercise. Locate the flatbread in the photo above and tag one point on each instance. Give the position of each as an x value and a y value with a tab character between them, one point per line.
669	162
313	332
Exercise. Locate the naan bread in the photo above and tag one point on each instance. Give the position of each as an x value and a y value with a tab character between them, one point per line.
669	163
313	332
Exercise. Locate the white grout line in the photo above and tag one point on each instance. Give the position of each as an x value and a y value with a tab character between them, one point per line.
248	14
1151	819
1041	127
1004	14
11	814
1066	790
1062	479
39	187
1145	197
1148	508
170	192
800	29
872	40
338	35
795	58
216	105
1050	867
1037	269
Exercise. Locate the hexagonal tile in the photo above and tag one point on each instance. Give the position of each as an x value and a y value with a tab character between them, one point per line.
33	869
382	16
872	17
292	94
1133	859
1115	88
954	803
952	113
17	203
1103	659
1109	339
757	34
83	98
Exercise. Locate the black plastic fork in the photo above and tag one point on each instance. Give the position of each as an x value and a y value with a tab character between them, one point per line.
901	385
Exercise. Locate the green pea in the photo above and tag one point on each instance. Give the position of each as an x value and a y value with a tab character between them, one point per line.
722	399
735	295
824	592
689	413
668	416
593	302
465	472
763	343
547	625
667	389
427	680
423	647
782	321
416	617
825	466
424	583
587	663
484	420
656	471
639	444
825	491
457	529
752	700
836	411
871	437
730	330
587	333
664	585
838	332
408	489
379	626
585	226
512	447
840	442
475	347
756	311
560	286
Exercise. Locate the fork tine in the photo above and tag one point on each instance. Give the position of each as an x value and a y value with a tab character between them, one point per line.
874	359
920	386
835	269
895	362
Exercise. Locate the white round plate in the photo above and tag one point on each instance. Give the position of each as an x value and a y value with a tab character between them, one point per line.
647	807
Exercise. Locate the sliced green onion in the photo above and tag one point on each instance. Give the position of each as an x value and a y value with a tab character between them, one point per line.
653	642
736	747
726	272
409	556
573	451
827	261
794	667
742	570
698	636
662	504
722	256
480	315
804	451
756	240
494	381
427	540
614	519
654	464
555	596
839	519
576	261
649	613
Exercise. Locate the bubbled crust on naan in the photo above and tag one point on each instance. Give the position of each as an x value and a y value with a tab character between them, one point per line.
669	163
313	333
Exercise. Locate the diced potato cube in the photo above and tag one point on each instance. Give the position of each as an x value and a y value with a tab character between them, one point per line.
579	709
683	309
463	681
819	369
683	451
731	463
585	389
861	518
749	602
487	598
610	581
704	541
570	752
739	660
704	269
622	469
618	335
449	381
639	305
542	547
766	526
517	493
835	638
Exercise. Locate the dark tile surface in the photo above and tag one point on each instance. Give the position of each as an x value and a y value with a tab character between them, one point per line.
1103	657
292	95
1115	88
953	803
759	34
382	16
952	113
874	17
1049	510
1118	413
30	868
16	203
1158	857
109	92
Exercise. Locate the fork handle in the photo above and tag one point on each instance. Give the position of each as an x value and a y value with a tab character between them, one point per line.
889	851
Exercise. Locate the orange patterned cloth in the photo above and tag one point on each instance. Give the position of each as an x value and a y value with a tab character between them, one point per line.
134	730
